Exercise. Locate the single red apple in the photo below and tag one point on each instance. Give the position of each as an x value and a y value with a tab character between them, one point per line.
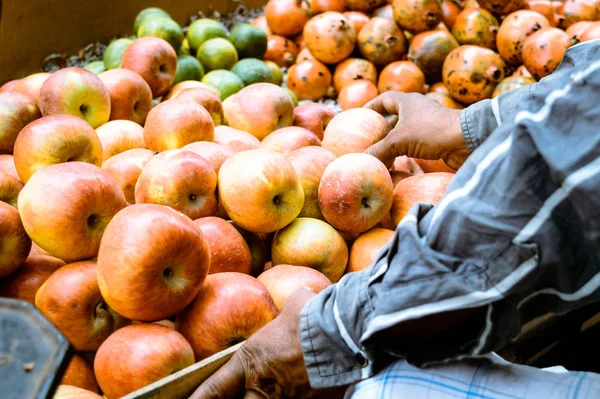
206	98
16	111
78	92
366	248
71	300
79	374
187	84
428	188
9	86
182	180
31	85
119	136
10	187
355	193
214	153
288	139
71	392
16	244
260	190
314	117
282	281
55	139
154	60
130	95
234	139
229	308
138	355
228	250
177	122
7	165
126	168
311	243
257	249
434	166
310	163
148	276
66	207
354	130
275	105
36	250
25	282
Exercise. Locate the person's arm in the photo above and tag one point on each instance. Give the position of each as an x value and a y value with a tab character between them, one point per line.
461	278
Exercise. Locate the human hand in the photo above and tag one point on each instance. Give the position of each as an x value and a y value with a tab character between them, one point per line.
425	129
269	365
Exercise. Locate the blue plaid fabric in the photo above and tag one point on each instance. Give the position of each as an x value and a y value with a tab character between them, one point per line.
489	378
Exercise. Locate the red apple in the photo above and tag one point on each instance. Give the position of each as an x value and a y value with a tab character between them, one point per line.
228	250
8	86
119	136
234	139
130	95
214	153
15	242
260	190
182	180
282	281
71	300
177	122
16	111
288	139
428	188
146	274
25	282
154	60
311	243
31	85
7	165
78	92
71	392
53	140
79	374
207	98
138	355
36	250
187	84
274	103
257	249
310	163
355	193
126	168
66	207
10	187
354	130
314	117
366	248
229	308
434	166
387	222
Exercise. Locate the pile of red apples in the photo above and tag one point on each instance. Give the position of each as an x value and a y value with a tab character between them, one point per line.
155	226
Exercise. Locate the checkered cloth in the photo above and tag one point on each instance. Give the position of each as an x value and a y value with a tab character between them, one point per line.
490	378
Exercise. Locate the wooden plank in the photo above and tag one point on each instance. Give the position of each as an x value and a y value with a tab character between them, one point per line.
183	383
